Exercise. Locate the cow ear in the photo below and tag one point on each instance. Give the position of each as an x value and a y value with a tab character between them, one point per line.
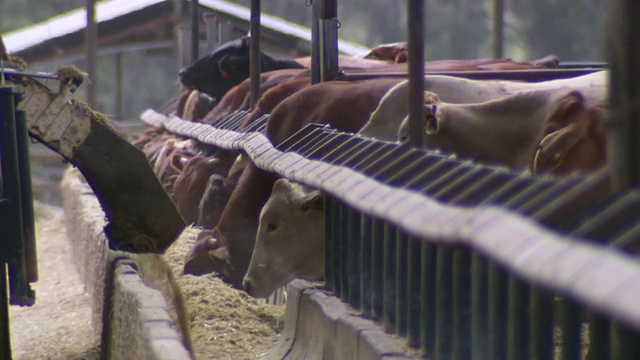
281	186
313	201
555	147
431	121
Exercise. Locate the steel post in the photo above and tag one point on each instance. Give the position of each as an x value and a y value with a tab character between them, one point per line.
498	29
255	52
416	71
315	41
329	39
624	126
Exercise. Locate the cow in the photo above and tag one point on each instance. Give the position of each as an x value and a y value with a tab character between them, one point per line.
290	236
236	98
225	67
538	130
194	105
290	239
385	120
344	105
190	184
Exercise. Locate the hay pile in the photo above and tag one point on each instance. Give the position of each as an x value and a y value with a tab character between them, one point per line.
225	323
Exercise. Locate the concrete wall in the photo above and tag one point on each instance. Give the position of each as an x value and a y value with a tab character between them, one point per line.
134	318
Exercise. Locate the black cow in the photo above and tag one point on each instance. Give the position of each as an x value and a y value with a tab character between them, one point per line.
227	66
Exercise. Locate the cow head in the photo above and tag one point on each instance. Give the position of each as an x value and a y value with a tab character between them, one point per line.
207	255
393	53
290	239
220	70
574	138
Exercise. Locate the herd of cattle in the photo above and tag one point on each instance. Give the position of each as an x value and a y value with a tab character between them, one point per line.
551	127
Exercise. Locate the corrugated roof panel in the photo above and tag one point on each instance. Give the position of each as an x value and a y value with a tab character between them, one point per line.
279	24
70	22
75	20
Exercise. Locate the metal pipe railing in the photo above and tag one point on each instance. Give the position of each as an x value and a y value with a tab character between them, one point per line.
526	264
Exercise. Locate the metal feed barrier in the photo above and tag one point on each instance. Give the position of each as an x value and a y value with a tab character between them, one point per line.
480	281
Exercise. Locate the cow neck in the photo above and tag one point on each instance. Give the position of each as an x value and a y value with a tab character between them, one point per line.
270	64
239	220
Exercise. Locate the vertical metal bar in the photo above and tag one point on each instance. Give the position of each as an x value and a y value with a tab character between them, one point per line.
401	281
444	299
413	289
5	331
479	308
598	338
329	221
625	343
518	323
461	280
315	41
329	39
498	29
497	313
541	326
26	197
624	127
377	279
416	72
571	327
366	238
343	246
119	86
354	257
195	30
389	271
428	256
255	52
91	45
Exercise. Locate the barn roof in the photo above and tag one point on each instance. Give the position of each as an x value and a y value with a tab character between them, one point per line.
72	23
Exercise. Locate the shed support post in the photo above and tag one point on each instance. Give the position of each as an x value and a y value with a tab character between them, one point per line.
195	30
119	86
91	46
623	46
498	29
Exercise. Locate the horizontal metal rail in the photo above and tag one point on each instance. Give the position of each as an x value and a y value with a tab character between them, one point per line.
600	278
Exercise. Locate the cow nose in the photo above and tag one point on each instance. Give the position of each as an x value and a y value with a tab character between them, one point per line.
246	285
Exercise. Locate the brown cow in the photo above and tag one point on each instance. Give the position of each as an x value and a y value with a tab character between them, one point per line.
545	130
190	184
344	105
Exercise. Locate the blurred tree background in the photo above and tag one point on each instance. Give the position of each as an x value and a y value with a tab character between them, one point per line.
456	29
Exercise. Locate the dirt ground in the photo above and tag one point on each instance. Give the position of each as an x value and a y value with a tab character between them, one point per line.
58	326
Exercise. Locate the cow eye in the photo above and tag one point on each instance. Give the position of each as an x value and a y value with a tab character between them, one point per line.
271	227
